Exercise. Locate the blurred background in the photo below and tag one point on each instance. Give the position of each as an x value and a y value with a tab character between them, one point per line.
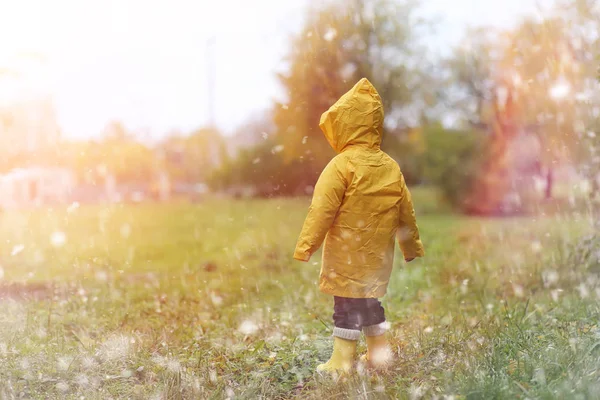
495	105
157	159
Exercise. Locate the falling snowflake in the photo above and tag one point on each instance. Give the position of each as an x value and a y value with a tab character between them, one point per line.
256	160
277	149
518	290
212	376
74	206
64	363
380	356
125	231
248	328
330	34
17	249
539	376
550	277
404	234
58	239
417	391
305	140
216	299
555	294
560	89
62	387
230	393
1	273
88	362
116	348
583	291
101	276
173	366
82	380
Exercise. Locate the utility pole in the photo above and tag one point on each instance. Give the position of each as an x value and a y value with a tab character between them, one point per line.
211	76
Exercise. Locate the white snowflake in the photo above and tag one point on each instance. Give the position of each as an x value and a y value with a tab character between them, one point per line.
248	327
330	34
116	348
277	149
74	206
17	249
212	376
58	239
125	231
62	387
173	366
63	363
216	299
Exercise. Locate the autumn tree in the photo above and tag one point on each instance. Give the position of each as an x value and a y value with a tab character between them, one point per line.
341	43
470	79
192	158
582	20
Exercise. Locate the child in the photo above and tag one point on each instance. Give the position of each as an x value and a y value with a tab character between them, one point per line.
360	204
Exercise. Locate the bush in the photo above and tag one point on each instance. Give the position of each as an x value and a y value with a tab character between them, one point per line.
451	161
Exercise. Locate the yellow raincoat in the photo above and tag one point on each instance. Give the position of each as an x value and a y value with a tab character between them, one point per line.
360	202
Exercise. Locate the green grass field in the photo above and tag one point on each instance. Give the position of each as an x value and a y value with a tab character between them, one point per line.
205	301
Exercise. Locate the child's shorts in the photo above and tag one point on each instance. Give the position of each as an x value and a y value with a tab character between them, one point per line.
356	314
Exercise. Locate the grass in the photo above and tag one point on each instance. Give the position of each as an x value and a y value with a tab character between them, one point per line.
204	301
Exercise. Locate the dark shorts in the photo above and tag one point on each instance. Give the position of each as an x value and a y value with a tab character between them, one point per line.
356	313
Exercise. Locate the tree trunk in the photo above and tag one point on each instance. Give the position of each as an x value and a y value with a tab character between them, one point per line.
549	183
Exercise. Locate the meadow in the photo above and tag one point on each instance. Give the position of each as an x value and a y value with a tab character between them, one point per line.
186	301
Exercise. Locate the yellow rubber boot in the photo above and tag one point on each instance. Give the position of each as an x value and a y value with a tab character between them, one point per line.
379	352
342	357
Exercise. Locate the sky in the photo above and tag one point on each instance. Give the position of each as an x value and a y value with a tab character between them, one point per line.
145	62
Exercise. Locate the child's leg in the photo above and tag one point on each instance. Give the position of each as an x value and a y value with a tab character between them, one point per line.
374	318
347	318
374	328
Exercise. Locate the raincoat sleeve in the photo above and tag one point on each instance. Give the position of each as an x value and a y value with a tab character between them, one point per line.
327	198
408	232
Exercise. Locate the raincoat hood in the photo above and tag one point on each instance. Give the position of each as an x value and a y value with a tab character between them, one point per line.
356	119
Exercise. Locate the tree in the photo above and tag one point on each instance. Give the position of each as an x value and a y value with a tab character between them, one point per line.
451	161
340	44
259	162
118	153
582	20
193	158
470	84
538	63
554	76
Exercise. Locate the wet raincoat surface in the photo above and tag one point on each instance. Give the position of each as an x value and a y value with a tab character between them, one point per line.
360	202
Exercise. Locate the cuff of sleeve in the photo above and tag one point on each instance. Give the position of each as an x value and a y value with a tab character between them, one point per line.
413	250
300	256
